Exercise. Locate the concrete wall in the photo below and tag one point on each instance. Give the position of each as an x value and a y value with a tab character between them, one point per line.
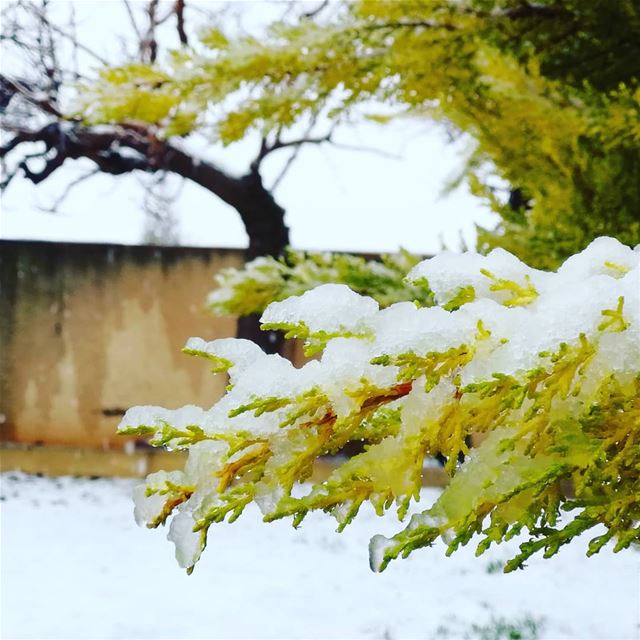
87	331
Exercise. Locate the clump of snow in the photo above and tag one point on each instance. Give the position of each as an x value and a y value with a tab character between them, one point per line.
269	376
402	328
329	307
189	544
242	353
604	256
152	416
378	546
149	506
447	273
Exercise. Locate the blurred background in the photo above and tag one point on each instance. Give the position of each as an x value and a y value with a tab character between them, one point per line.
107	255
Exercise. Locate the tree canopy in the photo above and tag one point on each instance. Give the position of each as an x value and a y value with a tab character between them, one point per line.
548	92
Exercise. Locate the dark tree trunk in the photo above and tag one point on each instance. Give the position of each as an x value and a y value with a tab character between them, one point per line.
263	220
249	328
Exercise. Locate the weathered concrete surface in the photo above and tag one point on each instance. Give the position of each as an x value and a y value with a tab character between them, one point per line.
89	330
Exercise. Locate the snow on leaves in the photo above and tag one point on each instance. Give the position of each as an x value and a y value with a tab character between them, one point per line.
547	364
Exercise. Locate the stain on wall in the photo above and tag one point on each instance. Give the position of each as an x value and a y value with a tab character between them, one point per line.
88	330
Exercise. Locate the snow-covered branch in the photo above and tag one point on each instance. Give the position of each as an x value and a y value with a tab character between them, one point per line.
546	364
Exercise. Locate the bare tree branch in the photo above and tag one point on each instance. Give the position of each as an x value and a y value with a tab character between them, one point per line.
17	41
68	189
71	37
50	166
314	12
179	11
162	19
149	45
266	148
119	150
296	152
364	149
74	32
132	20
22	88
285	169
46	52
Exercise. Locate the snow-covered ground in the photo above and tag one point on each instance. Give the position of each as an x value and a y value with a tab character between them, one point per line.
74	565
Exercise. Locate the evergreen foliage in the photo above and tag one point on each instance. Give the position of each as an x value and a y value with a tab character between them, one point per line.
265	280
545	364
548	91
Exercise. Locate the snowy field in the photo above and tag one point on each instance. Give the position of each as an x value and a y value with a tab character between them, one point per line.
74	565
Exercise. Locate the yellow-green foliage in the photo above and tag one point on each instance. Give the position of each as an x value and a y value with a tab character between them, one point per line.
267	279
549	92
552	379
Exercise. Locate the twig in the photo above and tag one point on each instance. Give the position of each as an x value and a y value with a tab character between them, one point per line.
295	153
314	12
46	105
285	169
60	31
74	30
179	11
354	147
150	43
50	166
67	190
266	148
132	20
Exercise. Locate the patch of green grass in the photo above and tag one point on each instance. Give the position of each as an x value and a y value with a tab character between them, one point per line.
525	628
495	566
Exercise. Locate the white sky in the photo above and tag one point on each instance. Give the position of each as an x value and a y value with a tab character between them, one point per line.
335	199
